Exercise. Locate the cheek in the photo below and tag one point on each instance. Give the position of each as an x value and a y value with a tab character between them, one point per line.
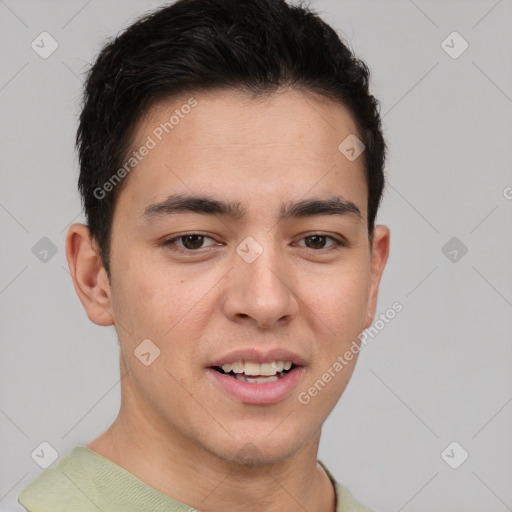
343	314
147	296
168	307
339	302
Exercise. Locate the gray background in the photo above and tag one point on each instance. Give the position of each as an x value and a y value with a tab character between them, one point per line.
438	373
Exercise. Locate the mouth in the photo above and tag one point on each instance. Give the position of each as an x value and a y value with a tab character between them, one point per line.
255	373
254	383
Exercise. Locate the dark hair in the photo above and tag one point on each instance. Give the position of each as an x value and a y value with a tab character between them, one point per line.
201	45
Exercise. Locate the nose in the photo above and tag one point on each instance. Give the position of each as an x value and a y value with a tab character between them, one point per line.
261	292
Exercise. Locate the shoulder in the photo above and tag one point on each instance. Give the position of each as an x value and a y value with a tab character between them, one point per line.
85	481
61	488
345	501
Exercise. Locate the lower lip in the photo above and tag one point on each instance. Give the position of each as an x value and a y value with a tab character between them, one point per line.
258	394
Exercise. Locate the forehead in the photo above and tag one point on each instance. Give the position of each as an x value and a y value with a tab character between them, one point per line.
286	142
287	117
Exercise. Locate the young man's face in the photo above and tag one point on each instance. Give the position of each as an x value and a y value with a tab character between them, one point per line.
255	282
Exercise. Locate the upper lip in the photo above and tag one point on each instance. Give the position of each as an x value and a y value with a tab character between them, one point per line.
258	356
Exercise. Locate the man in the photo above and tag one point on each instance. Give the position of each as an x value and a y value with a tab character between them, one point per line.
231	171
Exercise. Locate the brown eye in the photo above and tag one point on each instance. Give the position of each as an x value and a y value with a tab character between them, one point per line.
192	241
317	241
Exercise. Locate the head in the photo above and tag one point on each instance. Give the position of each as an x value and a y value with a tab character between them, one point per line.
224	214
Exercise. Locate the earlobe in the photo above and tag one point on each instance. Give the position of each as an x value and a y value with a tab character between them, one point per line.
89	277
380	253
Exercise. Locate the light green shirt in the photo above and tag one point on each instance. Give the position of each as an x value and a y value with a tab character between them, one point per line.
84	481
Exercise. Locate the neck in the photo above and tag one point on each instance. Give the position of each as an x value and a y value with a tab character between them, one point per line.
169	462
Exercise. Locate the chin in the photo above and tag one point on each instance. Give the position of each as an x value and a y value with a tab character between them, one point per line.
259	452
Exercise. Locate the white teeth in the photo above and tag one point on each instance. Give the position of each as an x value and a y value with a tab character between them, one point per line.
238	367
254	369
251	368
257	380
268	368
226	367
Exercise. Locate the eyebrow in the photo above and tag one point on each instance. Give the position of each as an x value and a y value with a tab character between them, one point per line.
180	203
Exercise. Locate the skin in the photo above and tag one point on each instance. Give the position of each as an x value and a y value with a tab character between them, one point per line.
186	438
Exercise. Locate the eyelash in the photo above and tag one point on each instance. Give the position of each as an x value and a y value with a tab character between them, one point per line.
338	244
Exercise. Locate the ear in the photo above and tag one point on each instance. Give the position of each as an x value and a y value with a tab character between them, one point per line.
380	253
89	276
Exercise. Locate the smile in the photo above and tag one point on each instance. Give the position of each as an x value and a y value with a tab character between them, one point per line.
256	373
257	389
